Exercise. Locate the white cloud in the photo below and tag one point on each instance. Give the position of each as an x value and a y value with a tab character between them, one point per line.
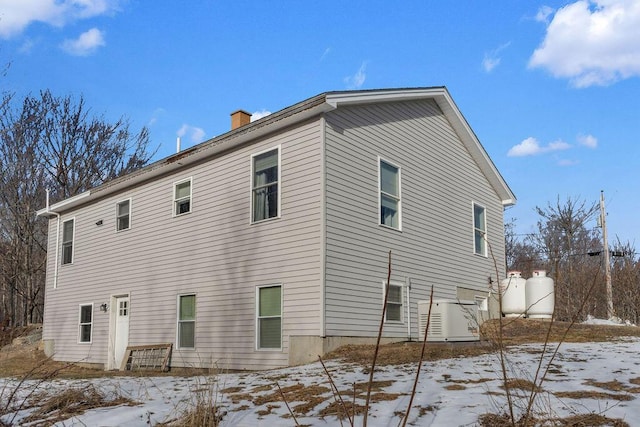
528	147
26	46
543	14
558	145
257	115
195	134
87	43
357	80
592	42
492	59
531	147
19	14
589	141
326	52
567	162
156	115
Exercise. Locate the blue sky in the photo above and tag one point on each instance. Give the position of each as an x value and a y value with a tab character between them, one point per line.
551	88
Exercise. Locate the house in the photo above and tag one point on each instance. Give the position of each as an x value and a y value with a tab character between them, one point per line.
268	245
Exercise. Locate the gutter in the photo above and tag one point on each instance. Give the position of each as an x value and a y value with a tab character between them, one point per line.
49	212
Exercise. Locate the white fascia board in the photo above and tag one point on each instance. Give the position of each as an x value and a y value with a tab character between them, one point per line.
365	97
64	204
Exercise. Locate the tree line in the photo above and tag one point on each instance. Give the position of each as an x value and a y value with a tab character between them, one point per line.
567	243
56	143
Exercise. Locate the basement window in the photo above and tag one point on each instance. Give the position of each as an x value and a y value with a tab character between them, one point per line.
394	302
85	324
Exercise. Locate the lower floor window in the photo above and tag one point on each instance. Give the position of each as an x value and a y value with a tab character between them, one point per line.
86	322
269	317
186	321
394	303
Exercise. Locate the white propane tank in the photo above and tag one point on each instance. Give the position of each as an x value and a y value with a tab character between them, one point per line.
539	295
514	303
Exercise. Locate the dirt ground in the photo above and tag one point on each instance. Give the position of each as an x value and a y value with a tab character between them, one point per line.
26	358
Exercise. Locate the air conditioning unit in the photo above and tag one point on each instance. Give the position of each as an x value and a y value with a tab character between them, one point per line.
451	320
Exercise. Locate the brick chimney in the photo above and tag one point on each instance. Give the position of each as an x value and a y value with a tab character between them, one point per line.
240	118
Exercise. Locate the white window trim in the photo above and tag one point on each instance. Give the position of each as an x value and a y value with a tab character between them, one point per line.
380	160
251	221
80	323
73	242
178	321
402	302
257	311
473	226
173	205
117	214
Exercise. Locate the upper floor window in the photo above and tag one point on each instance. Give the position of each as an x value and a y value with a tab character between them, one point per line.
390	203
182	197
479	230
265	180
394	302
67	241
85	324
123	215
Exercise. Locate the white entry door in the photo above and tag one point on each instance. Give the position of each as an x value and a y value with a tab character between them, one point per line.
122	329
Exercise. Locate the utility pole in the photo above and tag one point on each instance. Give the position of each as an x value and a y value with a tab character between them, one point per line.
607	265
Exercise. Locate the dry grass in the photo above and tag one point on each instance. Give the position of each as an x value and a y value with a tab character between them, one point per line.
522	384
587	420
590	394
521	331
516	331
73	401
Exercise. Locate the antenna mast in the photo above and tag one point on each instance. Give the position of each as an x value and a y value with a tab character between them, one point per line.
607	265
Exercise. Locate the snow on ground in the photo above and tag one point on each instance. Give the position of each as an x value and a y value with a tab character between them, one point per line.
451	392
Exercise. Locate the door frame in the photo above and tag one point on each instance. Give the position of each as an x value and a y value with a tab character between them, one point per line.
113	315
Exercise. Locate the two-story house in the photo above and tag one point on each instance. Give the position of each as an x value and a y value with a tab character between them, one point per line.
268	245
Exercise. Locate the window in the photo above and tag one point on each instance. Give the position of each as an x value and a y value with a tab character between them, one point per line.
123	215
389	195
479	230
187	321
269	324
265	197
182	197
394	302
67	241
86	323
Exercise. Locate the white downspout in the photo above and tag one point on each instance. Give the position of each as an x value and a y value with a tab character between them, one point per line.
55	268
408	286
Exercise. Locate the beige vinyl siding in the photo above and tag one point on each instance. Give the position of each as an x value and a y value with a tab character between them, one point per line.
213	252
439	182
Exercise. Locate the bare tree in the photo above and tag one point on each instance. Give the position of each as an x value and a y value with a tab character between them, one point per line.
81	151
565	239
21	179
625	273
50	142
521	253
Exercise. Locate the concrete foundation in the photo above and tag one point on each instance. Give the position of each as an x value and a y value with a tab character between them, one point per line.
48	346
306	349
